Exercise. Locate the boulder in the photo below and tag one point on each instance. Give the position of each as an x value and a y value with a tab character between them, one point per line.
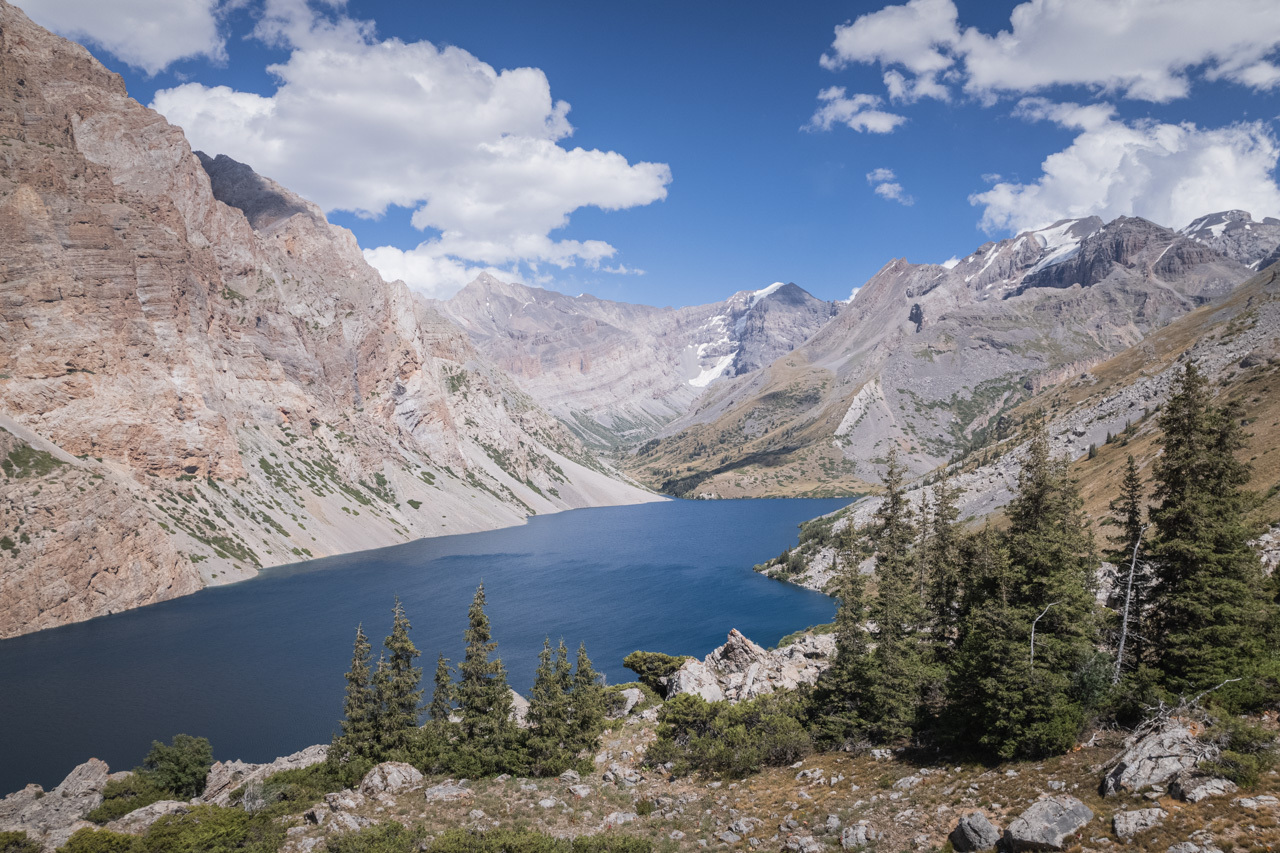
580	791
631	697
1156	757
390	777
974	832
802	844
446	792
139	821
858	835
1193	786
619	818
344	801
1050	824
729	837
226	776
1129	824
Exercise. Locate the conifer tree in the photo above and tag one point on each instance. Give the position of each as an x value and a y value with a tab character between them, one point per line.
442	696
943	561
484	700
835	706
549	724
896	670
398	684
587	704
1210	608
1133	580
361	722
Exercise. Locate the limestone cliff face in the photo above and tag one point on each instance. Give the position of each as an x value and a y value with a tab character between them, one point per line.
618	372
223	381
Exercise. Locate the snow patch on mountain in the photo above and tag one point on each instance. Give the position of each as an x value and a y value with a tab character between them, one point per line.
710	374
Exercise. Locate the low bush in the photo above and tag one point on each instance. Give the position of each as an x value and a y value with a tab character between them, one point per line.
651	667
121	796
211	829
17	842
1247	751
98	841
525	841
730	740
388	837
180	767
289	791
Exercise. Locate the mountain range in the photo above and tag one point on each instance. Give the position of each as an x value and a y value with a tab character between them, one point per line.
200	376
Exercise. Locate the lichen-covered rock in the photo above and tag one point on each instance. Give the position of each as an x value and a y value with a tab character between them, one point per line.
139	821
974	833
1048	825
390	777
1193	786
1156	757
447	791
50	818
1129	824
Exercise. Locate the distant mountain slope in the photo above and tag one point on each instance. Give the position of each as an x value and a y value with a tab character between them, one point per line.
617	372
1235	341
927	358
200	376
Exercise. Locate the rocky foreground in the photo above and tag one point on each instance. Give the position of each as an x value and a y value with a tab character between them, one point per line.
1144	792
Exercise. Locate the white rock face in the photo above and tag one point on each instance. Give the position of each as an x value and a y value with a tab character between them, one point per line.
1155	758
741	670
390	777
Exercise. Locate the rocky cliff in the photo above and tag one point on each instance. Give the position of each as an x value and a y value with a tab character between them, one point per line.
618	372
927	358
200	376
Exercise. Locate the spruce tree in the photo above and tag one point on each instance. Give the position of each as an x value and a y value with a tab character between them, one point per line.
361	717
943	566
1133	580
398	684
897	668
484	700
835	718
442	696
586	697
1211	610
549	737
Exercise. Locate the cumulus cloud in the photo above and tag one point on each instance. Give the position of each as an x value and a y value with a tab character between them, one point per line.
1141	49
858	112
885	184
361	124
147	34
1168	173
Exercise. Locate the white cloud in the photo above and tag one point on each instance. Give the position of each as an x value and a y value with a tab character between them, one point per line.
147	34
622	269
1168	173
886	186
360	124
1141	49
856	111
438	277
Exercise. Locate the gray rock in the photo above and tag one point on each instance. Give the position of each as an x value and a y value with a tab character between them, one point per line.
52	817
1155	758
225	777
856	836
1129	824
741	670
1193	787
580	791
446	792
744	825
1048	825
1258	802
631	697
571	777
833	823
729	837
675	835
390	777
974	832
344	801
1192	847
619	818
139	821
802	844
548	803
519	709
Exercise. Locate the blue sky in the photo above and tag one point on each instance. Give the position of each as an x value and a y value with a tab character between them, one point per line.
724	146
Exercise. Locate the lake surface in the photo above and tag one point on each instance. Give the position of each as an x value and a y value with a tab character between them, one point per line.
257	667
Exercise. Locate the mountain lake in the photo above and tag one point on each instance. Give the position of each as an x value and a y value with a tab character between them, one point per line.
258	667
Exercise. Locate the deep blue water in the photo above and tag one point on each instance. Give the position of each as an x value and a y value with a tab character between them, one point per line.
257	667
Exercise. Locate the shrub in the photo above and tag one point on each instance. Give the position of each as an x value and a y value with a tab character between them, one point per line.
614	701
17	842
525	841
388	837
1247	751
98	841
121	796
289	791
180	767
210	829
730	740
649	667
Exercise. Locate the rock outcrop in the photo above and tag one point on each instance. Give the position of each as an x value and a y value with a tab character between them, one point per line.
974	833
50	818
225	777
1050	824
140	820
741	670
200	376
1155	757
